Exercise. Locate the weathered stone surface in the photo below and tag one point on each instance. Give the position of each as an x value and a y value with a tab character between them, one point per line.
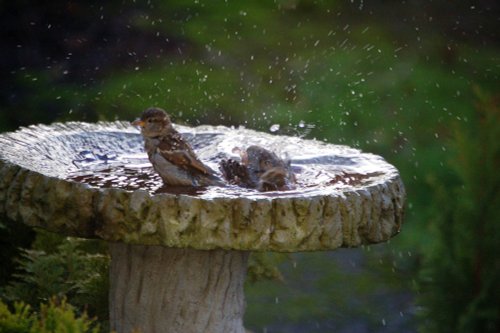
344	197
176	290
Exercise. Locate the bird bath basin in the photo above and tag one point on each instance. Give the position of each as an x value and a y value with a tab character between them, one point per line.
179	254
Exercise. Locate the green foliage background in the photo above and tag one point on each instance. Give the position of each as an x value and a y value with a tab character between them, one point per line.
53	317
413	81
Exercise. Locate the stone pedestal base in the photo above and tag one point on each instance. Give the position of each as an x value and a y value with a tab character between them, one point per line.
167	290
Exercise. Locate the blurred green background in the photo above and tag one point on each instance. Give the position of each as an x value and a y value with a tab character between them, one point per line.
414	81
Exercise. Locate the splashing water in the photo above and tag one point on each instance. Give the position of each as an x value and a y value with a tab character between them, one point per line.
111	155
274	128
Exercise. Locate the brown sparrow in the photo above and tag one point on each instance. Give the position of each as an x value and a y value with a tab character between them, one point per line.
171	156
260	169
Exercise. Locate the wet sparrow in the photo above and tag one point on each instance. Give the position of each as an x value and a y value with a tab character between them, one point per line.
259	168
171	156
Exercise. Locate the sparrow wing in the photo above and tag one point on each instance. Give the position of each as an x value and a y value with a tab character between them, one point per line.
236	173
178	152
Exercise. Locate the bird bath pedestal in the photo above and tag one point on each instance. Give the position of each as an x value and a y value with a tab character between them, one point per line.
178	255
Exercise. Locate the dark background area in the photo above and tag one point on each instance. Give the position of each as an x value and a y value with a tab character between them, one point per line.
414	81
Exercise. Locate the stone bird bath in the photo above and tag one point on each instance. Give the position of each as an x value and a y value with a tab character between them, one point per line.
178	256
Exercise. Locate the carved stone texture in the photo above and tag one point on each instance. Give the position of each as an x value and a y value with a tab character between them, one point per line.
183	290
344	198
179	254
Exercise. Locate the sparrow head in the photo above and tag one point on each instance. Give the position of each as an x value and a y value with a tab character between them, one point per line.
153	122
262	159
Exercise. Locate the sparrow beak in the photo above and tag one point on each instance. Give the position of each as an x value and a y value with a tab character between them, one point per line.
138	122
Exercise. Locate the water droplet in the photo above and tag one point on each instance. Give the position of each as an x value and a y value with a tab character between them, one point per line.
274	128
